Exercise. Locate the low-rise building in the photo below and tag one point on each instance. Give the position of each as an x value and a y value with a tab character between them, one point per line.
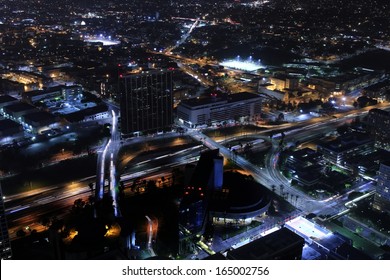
304	166
369	164
283	82
38	95
6	100
346	146
39	121
90	114
379	91
283	244
345	82
9	128
58	92
17	110
199	111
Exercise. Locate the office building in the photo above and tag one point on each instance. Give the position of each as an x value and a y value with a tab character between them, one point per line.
378	122
283	82
201	111
63	92
304	166
146	103
349	145
382	196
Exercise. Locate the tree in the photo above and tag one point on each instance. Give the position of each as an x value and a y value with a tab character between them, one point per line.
78	205
356	121
121	187
281	190
20	233
364	101
91	185
354	195
343	129
45	221
294	182
151	185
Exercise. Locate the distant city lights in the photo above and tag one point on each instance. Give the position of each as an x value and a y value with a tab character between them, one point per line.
246	65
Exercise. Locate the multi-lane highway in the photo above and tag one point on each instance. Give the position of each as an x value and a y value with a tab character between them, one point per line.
28	209
23	210
271	177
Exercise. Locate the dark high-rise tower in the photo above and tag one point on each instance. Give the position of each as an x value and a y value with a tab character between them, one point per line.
207	177
382	196
5	245
146	102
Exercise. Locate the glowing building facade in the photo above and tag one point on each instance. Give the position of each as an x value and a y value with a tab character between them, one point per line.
201	111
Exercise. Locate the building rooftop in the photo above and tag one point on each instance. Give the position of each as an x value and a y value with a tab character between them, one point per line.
19	107
387	163
305	154
50	90
309	174
239	194
6	99
269	247
8	124
347	141
32	74
242	96
379	111
195	102
43	91
39	116
231	98
345	77
217	256
370	161
80	115
348	252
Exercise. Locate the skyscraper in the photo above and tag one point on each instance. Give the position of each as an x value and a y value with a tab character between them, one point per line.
382	196
146	102
378	122
5	244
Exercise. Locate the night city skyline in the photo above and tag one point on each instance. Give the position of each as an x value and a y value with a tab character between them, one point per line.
195	130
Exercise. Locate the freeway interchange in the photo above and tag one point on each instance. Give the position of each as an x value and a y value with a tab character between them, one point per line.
25	210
